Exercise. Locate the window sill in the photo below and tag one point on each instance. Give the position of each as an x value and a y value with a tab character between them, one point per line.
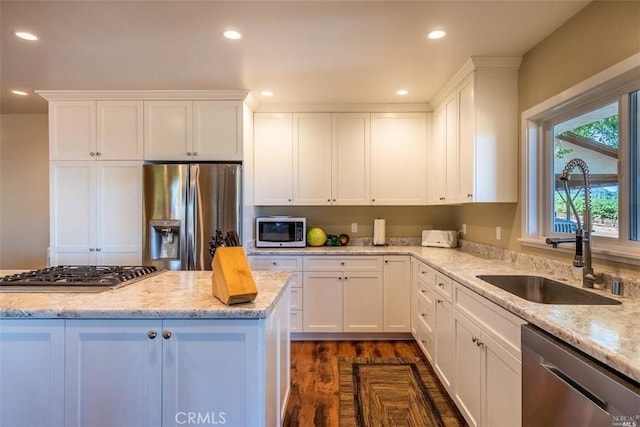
627	254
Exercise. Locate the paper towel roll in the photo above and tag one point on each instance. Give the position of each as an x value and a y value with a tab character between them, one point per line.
378	232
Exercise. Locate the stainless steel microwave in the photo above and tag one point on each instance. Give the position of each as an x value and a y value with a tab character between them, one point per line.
281	232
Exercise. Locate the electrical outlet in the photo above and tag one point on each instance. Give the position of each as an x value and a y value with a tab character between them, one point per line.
354	227
464	228
498	232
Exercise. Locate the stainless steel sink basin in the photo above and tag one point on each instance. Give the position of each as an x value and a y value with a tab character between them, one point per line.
546	291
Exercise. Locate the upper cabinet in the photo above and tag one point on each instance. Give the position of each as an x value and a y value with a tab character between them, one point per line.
475	133
95	130
351	159
312	158
192	130
273	159
398	158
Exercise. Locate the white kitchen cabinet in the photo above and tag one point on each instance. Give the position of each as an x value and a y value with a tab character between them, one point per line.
32	366
398	158
468	361
312	158
273	159
152	372
96	211
168	130
351	159
397	293
95	130
436	157
217	130
444	337
343	294
292	264
479	133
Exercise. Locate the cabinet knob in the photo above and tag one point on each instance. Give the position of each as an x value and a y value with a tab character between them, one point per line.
441	198
373	200
92	154
423	292
289	199
152	334
474	339
328	200
188	153
345	278
98	153
441	285
439	301
469	195
166	335
334	200
423	314
91	249
195	153
275	263
98	249
342	263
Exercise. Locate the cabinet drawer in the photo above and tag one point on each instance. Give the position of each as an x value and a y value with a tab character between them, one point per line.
426	314
276	263
424	273
348	263
296	320
444	287
296	298
426	341
498	323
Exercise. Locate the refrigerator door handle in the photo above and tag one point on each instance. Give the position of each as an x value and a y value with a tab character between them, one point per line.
192	215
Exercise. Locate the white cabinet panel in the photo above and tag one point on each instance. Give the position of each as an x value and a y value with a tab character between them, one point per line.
351	159
312	158
323	300
436	156
445	343
72	130
32	366
502	386
363	302
397	293
168	130
398	158
468	375
120	133
273	159
113	364
217	130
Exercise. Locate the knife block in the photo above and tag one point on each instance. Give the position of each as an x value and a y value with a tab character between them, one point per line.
232	281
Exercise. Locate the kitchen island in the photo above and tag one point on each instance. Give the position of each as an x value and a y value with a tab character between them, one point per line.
161	351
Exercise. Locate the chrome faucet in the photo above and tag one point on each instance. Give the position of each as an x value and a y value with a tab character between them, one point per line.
583	231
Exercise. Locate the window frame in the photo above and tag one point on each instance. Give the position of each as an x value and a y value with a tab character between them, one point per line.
613	84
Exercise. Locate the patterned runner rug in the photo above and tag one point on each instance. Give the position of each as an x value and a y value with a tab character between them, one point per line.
393	392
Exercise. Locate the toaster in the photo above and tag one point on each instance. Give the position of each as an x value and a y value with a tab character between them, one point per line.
440	238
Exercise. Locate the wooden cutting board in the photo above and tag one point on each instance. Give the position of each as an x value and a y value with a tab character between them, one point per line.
232	281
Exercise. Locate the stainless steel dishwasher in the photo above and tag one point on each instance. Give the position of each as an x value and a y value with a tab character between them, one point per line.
563	387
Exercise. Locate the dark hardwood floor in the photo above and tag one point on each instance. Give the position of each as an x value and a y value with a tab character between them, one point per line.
314	398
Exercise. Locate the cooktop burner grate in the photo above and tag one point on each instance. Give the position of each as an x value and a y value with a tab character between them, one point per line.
75	278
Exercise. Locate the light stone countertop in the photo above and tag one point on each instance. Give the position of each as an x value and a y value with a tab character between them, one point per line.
167	295
608	333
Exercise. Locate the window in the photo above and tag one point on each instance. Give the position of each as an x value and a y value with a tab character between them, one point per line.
598	122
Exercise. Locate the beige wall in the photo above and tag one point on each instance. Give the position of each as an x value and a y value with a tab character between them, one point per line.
24	178
601	35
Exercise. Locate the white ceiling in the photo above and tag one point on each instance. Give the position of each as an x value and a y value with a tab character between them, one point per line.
307	52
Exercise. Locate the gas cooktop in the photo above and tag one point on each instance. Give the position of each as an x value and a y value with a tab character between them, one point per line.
75	278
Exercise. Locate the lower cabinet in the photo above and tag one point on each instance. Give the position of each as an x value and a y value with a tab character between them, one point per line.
32	367
145	372
397	293
322	302
444	342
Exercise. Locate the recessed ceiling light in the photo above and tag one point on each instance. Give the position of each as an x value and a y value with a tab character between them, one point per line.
25	36
232	35
436	34
402	92
19	92
266	93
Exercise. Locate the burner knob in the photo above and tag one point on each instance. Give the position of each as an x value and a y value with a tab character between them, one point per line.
166	335
152	334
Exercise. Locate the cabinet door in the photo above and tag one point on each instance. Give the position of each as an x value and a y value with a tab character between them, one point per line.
468	375
119	130
399	158
217	130
113	372
466	126
168	130
351	159
502	389
72	130
32	366
273	159
322	302
362	302
436	156
445	343
312	159
72	212
415	293
119	213
451	149
213	368
397	293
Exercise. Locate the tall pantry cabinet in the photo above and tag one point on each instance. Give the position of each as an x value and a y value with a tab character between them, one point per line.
95	168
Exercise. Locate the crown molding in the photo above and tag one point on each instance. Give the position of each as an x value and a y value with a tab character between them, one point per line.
343	108
103	95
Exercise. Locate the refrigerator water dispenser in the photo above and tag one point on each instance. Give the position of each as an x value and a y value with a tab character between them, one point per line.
165	239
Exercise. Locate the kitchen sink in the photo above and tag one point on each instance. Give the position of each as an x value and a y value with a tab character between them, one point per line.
546	291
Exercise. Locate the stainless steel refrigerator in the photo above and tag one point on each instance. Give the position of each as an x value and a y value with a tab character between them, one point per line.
184	205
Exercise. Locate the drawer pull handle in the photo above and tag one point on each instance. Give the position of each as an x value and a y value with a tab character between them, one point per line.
152	334
166	335
423	292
